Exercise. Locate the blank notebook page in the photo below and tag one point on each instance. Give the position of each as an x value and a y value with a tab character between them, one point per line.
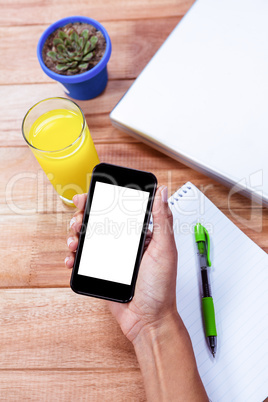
239	283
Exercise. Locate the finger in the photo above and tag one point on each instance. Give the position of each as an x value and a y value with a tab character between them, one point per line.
76	222
72	243
79	201
69	261
162	218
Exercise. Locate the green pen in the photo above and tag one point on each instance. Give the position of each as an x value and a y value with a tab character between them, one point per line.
203	244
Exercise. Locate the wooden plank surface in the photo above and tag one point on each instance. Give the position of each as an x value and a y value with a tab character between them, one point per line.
21	171
56	345
70	385
22	97
32	12
130	50
55	328
33	256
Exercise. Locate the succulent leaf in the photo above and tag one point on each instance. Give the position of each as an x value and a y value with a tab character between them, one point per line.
72	64
87	47
93	40
62	35
88	57
74	36
78	57
81	43
72	71
93	43
85	34
83	66
61	48
56	41
62	60
71	54
60	57
62	67
52	55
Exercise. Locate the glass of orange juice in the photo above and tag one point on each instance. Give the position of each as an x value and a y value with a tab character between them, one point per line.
57	133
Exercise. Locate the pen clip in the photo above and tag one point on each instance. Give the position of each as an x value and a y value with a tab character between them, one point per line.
208	246
201	235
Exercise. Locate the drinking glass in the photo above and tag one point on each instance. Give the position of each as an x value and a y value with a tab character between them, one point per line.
57	133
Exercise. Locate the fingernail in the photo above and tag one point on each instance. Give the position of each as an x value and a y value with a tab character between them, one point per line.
161	187
164	194
72	221
70	240
66	260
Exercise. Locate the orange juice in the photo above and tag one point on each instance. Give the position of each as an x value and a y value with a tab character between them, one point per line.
62	144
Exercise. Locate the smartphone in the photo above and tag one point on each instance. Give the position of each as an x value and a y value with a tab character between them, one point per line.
113	232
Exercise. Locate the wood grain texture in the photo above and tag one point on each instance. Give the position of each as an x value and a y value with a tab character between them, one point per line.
31	12
58	329
21	171
34	248
69	386
33	256
130	52
23	97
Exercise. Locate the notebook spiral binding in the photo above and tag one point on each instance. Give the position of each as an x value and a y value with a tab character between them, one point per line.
185	188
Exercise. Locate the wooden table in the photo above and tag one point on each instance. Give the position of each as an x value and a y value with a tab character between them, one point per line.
56	345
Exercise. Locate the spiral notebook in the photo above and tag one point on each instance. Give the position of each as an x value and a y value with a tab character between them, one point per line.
239	282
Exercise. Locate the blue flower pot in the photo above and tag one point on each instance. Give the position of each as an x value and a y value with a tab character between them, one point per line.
83	86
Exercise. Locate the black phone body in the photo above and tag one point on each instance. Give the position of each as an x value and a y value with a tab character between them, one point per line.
113	232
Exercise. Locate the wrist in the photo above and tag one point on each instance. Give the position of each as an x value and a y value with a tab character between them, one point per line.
162	330
166	358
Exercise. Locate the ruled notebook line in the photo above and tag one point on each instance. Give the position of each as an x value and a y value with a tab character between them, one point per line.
239	281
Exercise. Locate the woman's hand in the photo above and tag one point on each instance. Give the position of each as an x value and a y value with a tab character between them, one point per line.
154	296
150	321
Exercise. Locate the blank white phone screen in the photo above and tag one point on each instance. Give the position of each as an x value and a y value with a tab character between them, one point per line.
113	233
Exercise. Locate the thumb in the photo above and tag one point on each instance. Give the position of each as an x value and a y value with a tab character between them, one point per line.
162	219
79	201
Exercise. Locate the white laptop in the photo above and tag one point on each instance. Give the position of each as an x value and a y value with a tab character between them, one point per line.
203	98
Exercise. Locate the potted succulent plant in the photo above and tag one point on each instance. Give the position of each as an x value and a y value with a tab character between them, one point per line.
75	51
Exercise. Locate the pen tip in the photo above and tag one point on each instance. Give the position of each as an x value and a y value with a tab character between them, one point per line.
213	353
